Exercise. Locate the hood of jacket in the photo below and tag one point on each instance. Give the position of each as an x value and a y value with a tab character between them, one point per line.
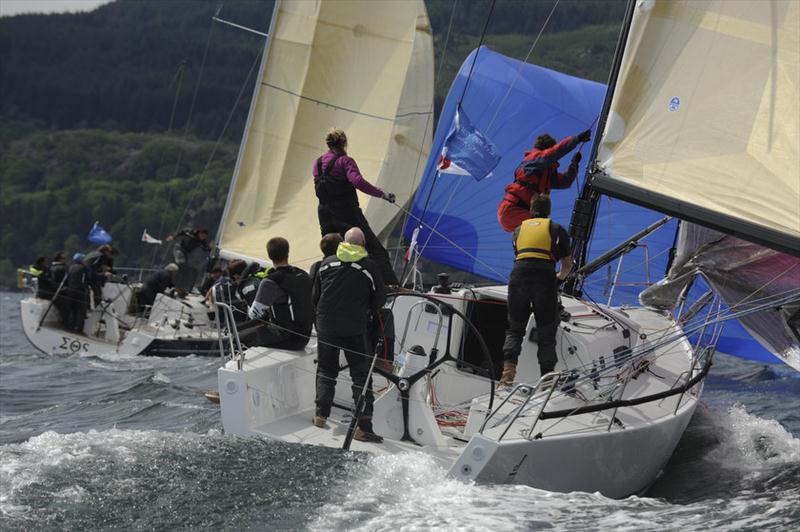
347	252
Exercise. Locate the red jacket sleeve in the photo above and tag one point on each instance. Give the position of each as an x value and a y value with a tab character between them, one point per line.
564	180
554	153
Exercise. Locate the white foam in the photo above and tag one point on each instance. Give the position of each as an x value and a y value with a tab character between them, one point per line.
753	443
160	377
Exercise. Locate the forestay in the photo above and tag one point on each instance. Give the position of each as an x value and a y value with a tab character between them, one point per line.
705	119
347	64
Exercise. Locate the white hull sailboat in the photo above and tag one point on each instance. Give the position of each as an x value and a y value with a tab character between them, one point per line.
486	434
628	378
173	327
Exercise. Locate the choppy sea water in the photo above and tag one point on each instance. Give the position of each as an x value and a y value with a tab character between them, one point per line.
92	443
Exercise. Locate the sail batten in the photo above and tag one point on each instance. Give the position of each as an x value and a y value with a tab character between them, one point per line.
345	64
705	117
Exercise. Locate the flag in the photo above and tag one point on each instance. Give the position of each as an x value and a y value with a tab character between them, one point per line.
98	235
412	247
149	239
466	150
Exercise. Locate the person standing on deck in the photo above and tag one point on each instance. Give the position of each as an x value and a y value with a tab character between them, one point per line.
75	295
347	287
336	178
538	244
538	174
190	253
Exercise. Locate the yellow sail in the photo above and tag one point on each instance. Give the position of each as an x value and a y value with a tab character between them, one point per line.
363	66
705	118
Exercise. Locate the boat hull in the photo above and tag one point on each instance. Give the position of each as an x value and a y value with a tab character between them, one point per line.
617	463
48	336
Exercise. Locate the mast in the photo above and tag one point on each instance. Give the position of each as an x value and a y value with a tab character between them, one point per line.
585	209
248	124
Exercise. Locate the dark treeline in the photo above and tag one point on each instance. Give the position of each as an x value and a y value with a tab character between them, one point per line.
56	184
87	130
119	66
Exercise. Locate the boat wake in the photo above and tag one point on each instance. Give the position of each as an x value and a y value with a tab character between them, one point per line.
748	477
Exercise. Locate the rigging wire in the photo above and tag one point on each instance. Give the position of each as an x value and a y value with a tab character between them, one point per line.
458	106
220	137
519	69
185	130
430	116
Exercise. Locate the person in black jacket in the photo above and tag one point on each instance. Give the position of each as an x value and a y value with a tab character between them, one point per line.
328	246
282	305
190	252
347	288
75	295
156	283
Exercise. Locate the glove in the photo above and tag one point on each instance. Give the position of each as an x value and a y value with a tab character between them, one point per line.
577	158
388	196
585	136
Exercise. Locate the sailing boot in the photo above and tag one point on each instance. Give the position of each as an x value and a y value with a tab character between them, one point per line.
509	373
364	431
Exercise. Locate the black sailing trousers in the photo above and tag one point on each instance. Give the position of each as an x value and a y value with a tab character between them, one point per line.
339	218
532	286
328	371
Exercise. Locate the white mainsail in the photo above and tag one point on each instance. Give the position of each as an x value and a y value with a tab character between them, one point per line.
366	67
705	119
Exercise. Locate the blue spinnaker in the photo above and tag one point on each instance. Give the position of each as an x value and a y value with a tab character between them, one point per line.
511	103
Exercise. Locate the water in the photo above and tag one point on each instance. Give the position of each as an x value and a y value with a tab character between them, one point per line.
131	443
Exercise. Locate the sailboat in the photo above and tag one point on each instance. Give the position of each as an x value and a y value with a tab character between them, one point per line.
672	137
173	326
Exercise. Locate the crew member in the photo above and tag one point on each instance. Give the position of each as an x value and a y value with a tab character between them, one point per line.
156	283
58	273
347	287
190	252
99	265
328	246
282	304
210	280
336	178
251	279
44	284
538	174
538	244
76	295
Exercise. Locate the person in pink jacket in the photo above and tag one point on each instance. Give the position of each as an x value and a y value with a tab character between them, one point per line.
336	178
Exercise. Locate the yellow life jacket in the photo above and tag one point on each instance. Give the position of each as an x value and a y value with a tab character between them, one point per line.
533	240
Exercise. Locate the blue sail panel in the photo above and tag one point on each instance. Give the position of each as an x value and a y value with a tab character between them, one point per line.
511	103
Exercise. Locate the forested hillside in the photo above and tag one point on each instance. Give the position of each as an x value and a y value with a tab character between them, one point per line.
87	129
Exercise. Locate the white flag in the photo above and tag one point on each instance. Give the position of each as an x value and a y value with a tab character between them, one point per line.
149	239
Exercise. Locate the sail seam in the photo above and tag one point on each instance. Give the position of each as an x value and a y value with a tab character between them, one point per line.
327	104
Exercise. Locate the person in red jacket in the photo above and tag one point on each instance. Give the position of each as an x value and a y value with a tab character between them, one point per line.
538	174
